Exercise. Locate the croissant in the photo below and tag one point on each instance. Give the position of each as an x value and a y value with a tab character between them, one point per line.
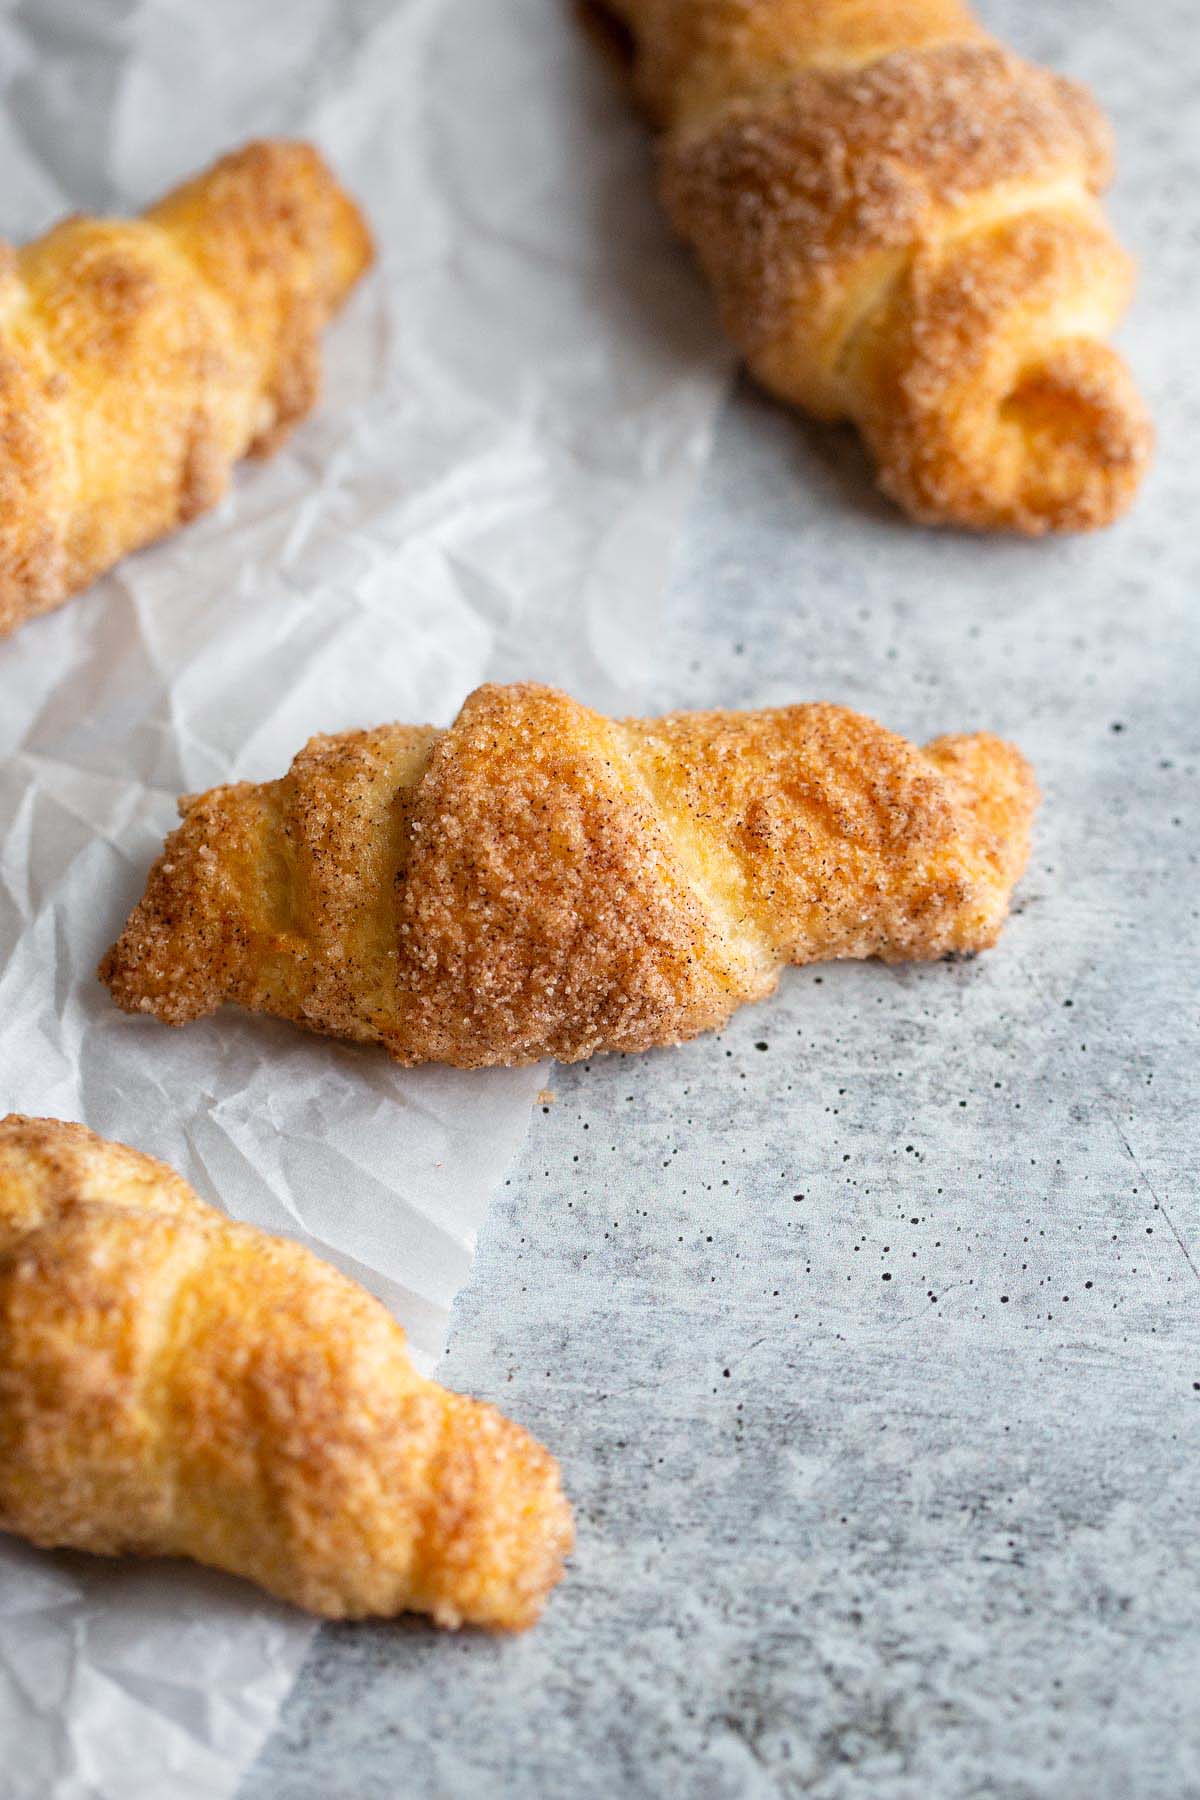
173	1383
541	881
139	359
899	218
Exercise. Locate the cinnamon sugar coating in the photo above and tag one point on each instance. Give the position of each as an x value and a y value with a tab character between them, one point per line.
541	881
864	183
173	1383
141	358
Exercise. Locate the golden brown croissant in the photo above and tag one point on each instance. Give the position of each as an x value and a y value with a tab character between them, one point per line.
541	881
900	221
140	358
173	1383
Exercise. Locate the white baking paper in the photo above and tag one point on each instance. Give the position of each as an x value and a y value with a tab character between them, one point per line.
516	403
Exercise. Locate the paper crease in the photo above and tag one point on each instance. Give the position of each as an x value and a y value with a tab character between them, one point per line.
516	405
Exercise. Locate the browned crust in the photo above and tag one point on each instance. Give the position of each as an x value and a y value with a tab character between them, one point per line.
802	186
983	390
820	152
541	881
174	1383
694	55
140	359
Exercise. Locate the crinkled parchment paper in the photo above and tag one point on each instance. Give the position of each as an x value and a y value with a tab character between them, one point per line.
515	406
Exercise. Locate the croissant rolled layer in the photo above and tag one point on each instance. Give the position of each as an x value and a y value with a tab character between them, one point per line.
899	219
541	881
141	358
173	1383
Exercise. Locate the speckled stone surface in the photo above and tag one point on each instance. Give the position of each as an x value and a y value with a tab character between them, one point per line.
869	1334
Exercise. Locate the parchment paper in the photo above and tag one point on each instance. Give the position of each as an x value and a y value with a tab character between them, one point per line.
515	406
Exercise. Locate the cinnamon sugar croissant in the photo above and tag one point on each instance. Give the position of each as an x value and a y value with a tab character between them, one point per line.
541	881
140	358
900	221
173	1383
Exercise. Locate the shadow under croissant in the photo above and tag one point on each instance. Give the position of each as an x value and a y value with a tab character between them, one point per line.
174	1586
830	460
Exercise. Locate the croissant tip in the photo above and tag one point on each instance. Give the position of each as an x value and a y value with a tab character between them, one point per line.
181	946
1085	435
501	1527
276	163
1063	449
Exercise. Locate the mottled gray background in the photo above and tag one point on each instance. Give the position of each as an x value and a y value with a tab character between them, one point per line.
868	1334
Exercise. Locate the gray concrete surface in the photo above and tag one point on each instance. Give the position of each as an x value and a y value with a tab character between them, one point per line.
868	1334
